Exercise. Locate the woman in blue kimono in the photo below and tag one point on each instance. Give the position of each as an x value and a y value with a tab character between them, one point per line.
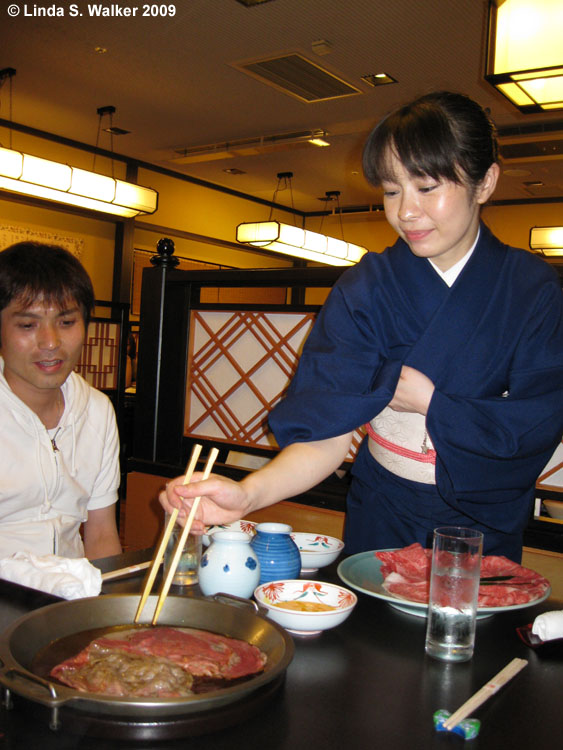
448	346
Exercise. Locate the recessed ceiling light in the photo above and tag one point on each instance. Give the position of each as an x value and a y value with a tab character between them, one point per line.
318	138
378	79
116	131
250	3
516	172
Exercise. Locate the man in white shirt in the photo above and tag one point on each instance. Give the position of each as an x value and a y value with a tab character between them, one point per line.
59	447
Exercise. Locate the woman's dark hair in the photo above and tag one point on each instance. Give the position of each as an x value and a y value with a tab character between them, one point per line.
32	270
443	135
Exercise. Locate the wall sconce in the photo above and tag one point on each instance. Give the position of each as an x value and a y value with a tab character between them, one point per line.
547	240
525	54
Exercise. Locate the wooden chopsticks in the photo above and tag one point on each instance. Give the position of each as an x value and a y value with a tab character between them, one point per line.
121	572
500	679
166	536
213	453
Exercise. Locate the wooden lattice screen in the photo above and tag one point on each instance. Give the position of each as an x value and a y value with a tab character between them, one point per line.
552	475
239	365
98	363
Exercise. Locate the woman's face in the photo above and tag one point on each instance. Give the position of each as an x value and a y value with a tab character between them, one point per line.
438	219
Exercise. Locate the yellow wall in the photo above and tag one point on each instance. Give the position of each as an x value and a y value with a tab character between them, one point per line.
512	224
98	237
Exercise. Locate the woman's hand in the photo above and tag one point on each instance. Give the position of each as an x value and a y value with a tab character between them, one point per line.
413	392
294	470
222	500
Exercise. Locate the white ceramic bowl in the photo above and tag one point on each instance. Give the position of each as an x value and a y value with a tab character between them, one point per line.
275	593
554	508
317	550
247	526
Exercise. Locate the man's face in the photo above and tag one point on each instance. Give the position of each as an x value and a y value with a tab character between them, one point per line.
41	344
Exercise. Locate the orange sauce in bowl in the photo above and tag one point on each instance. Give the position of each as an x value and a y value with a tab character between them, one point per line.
305	606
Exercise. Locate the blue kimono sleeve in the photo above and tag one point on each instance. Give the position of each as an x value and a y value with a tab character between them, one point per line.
500	445
344	376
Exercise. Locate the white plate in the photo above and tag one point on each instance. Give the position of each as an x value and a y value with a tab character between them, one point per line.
363	573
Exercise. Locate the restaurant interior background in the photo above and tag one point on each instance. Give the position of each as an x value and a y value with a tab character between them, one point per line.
194	124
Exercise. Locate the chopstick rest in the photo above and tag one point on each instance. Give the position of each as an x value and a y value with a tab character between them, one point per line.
458	723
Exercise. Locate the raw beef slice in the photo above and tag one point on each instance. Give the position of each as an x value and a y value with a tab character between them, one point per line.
406	574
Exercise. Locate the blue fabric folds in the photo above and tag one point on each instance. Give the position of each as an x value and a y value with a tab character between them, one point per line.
493	346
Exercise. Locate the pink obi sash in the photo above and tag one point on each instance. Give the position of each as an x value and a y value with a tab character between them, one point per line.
426	458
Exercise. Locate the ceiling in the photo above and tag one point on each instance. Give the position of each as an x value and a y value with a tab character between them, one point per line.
174	85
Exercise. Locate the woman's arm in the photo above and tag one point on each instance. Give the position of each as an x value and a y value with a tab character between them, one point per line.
295	469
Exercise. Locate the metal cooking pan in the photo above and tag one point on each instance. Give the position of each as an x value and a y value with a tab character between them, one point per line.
24	639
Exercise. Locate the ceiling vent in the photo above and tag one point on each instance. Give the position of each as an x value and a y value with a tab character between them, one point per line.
293	74
536	150
538	141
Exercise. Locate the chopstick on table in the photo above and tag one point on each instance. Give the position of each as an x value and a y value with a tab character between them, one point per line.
166	536
213	453
121	572
500	679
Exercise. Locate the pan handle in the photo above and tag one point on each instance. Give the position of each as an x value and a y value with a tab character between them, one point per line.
14	672
237	601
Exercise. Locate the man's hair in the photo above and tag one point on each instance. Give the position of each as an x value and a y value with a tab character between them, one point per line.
31	271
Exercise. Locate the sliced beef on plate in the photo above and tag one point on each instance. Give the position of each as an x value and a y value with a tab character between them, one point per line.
158	662
414	591
411	562
406	574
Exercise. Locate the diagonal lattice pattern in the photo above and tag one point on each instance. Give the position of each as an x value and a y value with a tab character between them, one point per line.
552	475
240	364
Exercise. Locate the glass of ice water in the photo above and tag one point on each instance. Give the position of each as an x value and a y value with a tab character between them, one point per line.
454	587
186	572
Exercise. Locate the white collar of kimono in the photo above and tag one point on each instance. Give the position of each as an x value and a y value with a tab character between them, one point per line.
452	273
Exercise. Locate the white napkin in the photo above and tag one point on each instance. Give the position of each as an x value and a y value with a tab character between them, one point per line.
61	576
549	625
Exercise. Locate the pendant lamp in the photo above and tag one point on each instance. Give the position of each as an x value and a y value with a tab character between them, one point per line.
296	241
51	180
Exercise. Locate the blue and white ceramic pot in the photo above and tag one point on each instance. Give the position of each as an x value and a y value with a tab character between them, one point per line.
277	552
229	565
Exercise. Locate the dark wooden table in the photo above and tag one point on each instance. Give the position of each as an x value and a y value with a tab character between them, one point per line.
366	684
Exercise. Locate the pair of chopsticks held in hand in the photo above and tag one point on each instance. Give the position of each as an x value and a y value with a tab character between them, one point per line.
181	541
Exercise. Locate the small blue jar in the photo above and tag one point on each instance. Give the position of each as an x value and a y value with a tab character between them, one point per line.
229	565
278	554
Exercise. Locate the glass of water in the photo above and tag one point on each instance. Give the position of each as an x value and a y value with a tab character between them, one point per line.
454	588
186	572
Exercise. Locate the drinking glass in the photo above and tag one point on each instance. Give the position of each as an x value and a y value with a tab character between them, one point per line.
454	587
186	572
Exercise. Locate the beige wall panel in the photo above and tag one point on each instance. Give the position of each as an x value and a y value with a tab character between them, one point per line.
97	236
512	224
